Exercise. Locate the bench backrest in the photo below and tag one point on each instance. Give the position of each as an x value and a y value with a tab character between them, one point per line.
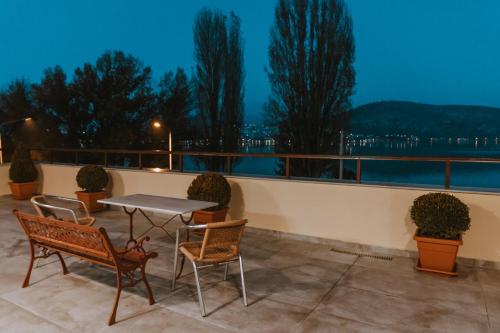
81	240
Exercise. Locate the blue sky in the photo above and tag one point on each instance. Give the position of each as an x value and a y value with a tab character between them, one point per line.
432	51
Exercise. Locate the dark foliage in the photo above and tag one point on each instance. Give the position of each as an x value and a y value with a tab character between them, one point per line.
92	178
22	169
440	215
175	104
312	78
218	83
210	187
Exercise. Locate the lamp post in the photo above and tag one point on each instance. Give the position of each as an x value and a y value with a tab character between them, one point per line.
10	122
158	125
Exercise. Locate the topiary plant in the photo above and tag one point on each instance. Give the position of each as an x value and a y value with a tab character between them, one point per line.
210	187
92	178
22	169
440	215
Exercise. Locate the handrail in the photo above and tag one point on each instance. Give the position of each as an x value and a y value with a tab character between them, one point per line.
447	160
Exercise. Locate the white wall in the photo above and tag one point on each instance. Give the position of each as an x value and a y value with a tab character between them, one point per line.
371	215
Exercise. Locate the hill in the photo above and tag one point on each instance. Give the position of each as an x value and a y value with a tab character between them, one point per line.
425	120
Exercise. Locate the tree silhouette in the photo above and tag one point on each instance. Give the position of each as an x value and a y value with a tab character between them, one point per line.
312	78
116	94
174	103
55	111
218	82
16	102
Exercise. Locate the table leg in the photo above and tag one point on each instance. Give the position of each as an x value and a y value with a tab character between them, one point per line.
183	259
130	214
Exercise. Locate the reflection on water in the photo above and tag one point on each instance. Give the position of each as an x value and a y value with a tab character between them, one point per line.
473	175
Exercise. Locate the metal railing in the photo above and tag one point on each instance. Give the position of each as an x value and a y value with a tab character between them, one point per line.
286	158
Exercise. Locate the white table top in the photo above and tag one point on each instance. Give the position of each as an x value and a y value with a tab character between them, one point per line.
158	204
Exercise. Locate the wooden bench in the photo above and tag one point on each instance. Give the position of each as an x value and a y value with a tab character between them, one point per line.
55	237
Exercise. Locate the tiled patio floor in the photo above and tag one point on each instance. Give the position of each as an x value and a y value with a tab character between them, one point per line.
293	286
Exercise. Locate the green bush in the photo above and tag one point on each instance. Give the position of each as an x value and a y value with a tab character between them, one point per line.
22	169
440	215
92	178
210	187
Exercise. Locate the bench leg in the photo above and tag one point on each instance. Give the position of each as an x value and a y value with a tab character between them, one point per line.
32	260
112	318
63	264
148	288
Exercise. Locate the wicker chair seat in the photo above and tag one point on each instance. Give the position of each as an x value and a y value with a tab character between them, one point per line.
213	254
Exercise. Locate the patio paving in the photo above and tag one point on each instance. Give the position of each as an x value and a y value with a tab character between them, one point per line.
293	286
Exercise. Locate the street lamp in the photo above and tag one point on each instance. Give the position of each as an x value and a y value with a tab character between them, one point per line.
10	122
158	125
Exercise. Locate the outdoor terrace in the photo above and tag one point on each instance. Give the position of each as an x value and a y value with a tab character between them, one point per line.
293	286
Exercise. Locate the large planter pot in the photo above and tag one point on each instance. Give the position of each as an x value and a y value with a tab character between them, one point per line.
207	216
437	255
23	191
90	199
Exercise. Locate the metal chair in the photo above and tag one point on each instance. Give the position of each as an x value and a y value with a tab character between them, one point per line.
49	206
220	246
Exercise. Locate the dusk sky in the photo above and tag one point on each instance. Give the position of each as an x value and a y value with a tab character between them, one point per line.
431	51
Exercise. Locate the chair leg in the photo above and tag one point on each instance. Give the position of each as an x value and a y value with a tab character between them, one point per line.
226	271
32	260
243	287
176	258
200	297
112	317
63	264
148	288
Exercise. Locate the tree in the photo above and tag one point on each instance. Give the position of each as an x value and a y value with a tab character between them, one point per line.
54	103
312	78
116	94
174	104
16	102
218	82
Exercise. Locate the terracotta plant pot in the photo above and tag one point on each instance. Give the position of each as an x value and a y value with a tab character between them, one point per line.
207	216
23	191
90	199
437	255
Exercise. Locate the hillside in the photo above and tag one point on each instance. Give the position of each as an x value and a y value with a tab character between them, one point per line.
425	120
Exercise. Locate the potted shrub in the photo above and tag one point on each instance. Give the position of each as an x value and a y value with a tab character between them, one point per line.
441	219
210	187
22	174
92	180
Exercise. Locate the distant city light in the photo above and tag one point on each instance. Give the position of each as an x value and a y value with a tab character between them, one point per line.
156	124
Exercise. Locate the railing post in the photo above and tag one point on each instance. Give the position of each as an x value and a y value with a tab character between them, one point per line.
287	167
51	157
140	161
358	171
105	159
76	158
229	168
447	174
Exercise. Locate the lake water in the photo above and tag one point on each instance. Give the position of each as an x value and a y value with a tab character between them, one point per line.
483	176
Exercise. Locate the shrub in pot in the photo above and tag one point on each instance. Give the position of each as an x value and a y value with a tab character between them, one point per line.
23	174
92	180
441	219
210	187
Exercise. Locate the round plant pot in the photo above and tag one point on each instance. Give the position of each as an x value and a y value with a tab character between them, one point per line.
437	255
90	199
23	191
207	216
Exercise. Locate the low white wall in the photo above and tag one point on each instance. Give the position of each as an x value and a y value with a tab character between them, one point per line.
377	216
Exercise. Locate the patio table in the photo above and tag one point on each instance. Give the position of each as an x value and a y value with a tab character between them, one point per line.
142	203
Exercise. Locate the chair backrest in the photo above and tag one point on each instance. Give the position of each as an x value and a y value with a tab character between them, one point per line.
53	206
223	237
85	241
